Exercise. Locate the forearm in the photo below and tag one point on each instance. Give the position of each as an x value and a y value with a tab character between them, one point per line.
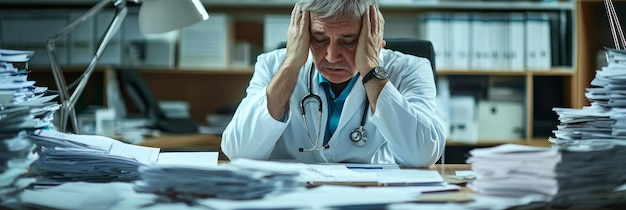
372	90
419	140
279	90
252	133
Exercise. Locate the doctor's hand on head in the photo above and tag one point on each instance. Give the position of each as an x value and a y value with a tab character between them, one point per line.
370	40
298	37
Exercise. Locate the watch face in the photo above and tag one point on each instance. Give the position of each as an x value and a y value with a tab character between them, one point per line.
380	73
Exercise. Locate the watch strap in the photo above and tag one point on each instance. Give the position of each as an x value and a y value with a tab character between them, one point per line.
370	75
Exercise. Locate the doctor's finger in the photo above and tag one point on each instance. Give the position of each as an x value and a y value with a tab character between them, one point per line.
380	21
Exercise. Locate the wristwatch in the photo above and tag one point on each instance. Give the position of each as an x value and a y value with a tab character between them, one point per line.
377	72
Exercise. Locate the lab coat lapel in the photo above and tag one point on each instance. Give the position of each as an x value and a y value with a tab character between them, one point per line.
354	102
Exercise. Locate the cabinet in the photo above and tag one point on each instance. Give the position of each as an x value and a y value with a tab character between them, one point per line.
209	90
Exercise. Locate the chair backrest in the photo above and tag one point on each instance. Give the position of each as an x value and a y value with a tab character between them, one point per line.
411	46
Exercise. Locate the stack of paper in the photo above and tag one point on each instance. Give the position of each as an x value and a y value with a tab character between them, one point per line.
91	158
23	106
591	174
239	180
606	117
16	156
514	170
20	110
585	175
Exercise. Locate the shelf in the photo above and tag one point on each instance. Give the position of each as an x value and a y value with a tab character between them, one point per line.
484	143
390	4
227	71
157	70
479	143
551	72
250	70
210	90
477	5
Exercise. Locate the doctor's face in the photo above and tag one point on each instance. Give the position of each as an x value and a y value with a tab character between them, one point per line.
333	44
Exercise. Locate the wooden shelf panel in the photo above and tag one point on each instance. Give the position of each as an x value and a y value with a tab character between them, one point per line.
403	5
551	72
479	143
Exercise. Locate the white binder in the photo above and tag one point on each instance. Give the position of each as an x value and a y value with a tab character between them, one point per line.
275	31
460	41
538	54
30	30
517	45
478	43
206	44
436	29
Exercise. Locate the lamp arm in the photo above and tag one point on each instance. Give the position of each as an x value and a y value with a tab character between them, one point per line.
68	101
111	31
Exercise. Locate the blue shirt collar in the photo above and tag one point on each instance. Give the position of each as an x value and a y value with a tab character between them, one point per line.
344	94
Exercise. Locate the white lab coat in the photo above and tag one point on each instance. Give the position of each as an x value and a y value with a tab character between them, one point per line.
404	130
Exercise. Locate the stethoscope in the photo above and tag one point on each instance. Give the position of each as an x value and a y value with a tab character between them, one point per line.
358	136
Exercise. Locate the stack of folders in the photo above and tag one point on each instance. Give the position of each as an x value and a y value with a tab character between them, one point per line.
583	175
69	157
23	107
240	179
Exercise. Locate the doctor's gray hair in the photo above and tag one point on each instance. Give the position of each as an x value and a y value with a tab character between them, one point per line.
337	9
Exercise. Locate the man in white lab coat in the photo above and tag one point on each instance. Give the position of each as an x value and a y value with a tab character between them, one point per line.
377	105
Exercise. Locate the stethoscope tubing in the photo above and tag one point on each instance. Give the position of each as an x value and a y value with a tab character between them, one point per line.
362	133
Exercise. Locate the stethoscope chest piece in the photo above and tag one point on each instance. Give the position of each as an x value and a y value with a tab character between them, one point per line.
358	136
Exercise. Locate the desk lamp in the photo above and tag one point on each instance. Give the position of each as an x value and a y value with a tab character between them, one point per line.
155	16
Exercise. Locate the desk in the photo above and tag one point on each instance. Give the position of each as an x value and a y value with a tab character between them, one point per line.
186	141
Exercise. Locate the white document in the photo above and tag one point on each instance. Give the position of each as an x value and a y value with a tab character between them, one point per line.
145	155
409	177
75	195
196	159
320	197
336	174
15	55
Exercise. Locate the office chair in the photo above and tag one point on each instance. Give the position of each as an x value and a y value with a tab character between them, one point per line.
411	46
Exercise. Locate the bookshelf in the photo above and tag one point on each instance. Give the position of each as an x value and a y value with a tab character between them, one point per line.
209	90
593	35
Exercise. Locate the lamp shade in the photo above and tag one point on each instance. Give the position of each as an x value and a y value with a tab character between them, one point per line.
159	16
